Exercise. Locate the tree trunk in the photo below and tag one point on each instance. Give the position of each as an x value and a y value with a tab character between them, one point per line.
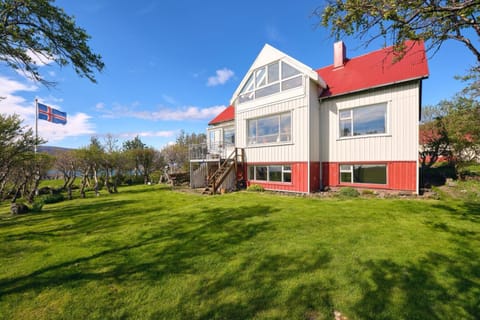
34	191
95	178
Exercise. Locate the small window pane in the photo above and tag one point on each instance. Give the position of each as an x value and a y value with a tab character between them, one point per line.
369	120
251	173
345	114
246	97
292	83
345	167
252	131
229	137
346	177
288	71
345	128
261	77
261	173
376	174
286	127
266	91
273	74
267	129
287	168
249	85
287	177
275	173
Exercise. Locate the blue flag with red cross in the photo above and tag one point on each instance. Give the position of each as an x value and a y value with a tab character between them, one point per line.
50	114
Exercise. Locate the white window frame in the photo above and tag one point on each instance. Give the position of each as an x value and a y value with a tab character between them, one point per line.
280	134
284	169
251	89
351	119
352	176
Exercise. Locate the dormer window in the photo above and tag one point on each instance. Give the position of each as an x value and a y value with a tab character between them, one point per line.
270	79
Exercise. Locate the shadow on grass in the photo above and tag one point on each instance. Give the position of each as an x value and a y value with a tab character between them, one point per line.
172	249
439	286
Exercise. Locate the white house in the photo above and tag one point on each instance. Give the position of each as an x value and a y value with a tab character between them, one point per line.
352	123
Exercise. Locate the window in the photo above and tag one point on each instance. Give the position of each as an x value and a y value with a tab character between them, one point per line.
363	120
363	173
275	128
270	79
229	137
273	173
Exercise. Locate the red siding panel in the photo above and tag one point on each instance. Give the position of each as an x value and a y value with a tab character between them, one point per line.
401	176
314	176
299	178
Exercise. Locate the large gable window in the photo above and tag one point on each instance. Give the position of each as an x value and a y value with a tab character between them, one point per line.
274	128
270	79
362	121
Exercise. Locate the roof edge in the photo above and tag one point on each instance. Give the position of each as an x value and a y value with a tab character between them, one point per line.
374	87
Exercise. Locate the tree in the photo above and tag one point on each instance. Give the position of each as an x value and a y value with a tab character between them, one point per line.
434	21
16	148
67	163
434	142
454	132
176	155
36	29
462	127
134	149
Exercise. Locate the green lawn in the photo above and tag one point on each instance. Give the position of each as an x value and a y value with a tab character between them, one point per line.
151	253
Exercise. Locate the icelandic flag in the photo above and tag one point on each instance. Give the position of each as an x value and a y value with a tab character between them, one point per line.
51	114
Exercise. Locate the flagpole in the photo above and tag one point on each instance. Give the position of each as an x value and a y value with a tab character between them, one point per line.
36	125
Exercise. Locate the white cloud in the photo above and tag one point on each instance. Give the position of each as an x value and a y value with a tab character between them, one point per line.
187	113
162	114
100	106
221	77
169	99
272	34
78	124
40	59
162	134
13	103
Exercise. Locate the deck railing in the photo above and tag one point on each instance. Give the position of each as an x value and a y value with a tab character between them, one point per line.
209	151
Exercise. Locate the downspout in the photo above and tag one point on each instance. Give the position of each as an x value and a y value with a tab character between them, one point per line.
417	187
308	135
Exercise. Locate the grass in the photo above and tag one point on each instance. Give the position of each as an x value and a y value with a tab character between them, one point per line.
152	253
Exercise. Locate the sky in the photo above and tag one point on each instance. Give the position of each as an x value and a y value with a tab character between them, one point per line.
173	65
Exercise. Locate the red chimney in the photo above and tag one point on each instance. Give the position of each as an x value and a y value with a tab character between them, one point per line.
339	54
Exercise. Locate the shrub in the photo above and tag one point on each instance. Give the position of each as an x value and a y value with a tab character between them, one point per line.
37	205
367	192
53	198
349	192
256	188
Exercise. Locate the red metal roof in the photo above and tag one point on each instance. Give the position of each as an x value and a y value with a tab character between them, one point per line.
372	70
226	115
376	69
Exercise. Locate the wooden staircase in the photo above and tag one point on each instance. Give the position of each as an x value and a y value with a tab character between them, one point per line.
226	166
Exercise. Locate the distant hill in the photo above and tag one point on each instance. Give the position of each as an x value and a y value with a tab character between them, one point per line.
52	150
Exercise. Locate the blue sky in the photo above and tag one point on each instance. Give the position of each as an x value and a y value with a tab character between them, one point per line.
173	65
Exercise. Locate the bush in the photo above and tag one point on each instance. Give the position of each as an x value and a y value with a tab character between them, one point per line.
367	192
37	205
256	188
349	192
53	198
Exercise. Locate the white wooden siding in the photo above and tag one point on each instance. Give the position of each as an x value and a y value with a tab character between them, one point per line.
400	143
314	122
295	150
